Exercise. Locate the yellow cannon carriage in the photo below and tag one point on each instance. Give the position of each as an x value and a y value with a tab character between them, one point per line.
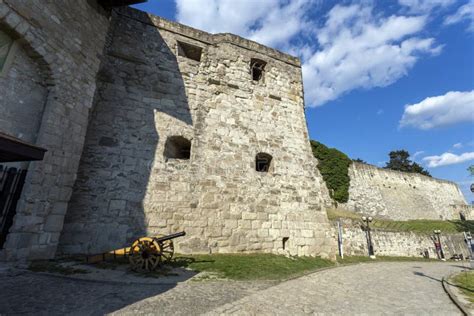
145	253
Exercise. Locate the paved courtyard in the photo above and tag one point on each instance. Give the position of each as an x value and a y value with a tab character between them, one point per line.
406	288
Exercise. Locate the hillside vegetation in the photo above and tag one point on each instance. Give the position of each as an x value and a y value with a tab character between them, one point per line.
334	168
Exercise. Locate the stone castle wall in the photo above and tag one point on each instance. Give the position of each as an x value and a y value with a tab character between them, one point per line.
117	184
16	106
404	244
401	196
463	211
127	188
45	99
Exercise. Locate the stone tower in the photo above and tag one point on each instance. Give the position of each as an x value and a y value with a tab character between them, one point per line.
152	127
197	132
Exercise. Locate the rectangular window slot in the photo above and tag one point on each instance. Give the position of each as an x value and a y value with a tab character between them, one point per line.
257	69
7	51
189	51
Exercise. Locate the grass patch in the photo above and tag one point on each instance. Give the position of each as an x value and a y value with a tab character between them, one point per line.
335	214
362	259
251	266
465	282
53	267
266	266
243	267
423	226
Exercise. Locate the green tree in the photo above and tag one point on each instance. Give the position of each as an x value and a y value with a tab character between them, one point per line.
471	170
416	168
334	167
359	160
399	160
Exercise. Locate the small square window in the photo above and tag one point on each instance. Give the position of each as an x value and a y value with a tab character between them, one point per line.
263	162
177	147
257	69
189	51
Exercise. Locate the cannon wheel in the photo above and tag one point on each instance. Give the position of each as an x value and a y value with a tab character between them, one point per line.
145	254
167	249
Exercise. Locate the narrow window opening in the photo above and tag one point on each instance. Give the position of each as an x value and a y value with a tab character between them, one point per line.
7	45
263	162
177	147
257	69
189	51
284	240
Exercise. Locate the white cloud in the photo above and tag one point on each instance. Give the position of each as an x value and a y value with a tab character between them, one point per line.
424	6
465	12
361	50
457	145
270	22
448	159
450	108
421	152
354	48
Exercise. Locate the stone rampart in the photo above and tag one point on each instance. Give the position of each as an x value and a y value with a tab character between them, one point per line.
400	195
463	211
168	91
403	244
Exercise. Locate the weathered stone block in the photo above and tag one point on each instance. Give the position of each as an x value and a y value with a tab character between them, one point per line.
54	223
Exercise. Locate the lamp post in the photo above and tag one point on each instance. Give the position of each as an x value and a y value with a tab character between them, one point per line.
368	220
468	239
437	241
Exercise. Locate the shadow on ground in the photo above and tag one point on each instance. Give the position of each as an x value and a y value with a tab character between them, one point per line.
439	280
83	291
53	295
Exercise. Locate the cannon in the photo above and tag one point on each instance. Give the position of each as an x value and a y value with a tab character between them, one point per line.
145	253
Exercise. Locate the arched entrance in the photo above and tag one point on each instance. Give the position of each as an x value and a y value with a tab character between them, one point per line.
23	94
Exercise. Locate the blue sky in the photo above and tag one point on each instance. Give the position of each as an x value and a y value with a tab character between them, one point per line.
378	75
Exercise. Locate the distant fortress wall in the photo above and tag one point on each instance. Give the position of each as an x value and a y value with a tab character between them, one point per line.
403	196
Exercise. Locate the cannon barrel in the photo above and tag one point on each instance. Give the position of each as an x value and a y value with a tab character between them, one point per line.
169	237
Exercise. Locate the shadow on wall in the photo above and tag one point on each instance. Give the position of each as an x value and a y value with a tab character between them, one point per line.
22	69
139	77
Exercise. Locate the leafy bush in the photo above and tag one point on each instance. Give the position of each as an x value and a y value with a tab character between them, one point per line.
334	166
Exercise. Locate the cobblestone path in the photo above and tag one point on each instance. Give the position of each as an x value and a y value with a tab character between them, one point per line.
410	288
39	294
377	288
